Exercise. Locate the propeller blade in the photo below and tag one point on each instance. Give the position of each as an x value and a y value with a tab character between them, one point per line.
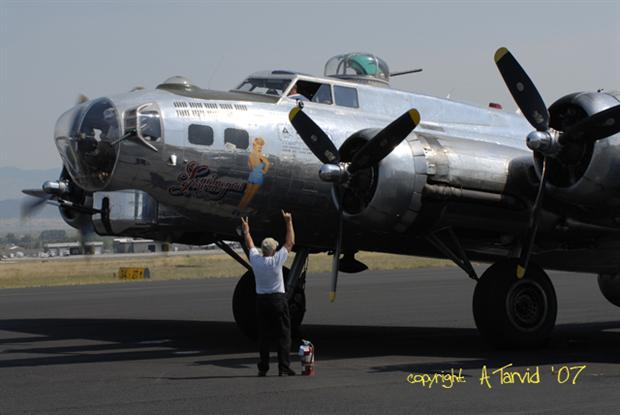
315	138
528	243
336	259
38	193
33	206
85	233
385	141
600	125
522	89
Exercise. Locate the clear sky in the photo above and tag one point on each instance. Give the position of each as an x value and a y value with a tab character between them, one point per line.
51	51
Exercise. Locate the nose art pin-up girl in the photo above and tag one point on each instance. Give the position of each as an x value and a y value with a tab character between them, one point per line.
259	166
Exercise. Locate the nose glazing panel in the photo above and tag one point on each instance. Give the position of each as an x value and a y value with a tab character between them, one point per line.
85	136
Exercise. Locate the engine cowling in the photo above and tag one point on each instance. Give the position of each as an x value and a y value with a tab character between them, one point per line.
77	196
388	196
78	220
587	173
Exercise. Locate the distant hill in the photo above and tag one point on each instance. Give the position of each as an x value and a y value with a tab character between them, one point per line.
14	179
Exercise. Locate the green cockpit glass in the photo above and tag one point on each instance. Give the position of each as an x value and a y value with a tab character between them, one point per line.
364	65
358	66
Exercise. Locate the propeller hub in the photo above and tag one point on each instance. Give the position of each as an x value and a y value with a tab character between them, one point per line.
56	187
334	173
544	142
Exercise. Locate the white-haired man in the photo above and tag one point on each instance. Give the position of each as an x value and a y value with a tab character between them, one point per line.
274	322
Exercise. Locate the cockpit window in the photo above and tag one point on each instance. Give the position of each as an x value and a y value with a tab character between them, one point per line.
311	91
265	86
323	94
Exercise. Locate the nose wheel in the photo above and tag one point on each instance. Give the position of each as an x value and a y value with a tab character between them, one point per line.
513	312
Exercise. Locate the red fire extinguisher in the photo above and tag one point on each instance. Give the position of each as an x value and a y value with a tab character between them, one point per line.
306	354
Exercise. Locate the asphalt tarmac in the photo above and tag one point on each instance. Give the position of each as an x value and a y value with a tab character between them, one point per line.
172	348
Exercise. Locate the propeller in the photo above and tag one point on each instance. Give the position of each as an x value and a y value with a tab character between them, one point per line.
32	206
523	90
85	233
546	141
600	125
343	174
336	258
58	194
315	138
385	141
49	192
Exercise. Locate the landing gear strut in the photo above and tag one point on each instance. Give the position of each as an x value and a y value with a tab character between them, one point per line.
512	312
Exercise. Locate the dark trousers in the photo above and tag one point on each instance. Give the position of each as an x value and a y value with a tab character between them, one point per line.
274	326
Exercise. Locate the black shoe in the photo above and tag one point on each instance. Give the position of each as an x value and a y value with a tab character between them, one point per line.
261	374
286	372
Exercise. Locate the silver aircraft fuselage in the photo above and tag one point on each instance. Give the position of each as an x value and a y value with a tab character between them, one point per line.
456	145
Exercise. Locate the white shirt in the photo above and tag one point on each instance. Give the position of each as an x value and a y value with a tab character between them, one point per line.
268	271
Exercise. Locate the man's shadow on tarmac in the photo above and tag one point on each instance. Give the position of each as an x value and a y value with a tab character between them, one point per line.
58	342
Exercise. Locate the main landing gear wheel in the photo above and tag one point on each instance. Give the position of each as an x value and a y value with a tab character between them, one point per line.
244	305
512	312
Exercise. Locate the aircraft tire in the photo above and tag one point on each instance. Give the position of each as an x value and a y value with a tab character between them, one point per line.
511	312
244	306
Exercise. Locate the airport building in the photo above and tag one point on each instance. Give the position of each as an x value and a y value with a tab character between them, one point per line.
73	248
138	246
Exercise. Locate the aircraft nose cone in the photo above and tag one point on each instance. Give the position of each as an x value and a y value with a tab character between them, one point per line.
85	137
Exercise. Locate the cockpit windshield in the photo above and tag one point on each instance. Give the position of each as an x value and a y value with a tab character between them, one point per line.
266	86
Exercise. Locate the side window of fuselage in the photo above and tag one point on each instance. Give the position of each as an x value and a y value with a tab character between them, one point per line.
149	122
237	137
200	134
346	96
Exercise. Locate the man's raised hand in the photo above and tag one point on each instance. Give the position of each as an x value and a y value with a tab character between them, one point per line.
287	216
245	226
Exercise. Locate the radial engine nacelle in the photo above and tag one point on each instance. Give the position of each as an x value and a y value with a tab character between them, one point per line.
388	196
585	171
